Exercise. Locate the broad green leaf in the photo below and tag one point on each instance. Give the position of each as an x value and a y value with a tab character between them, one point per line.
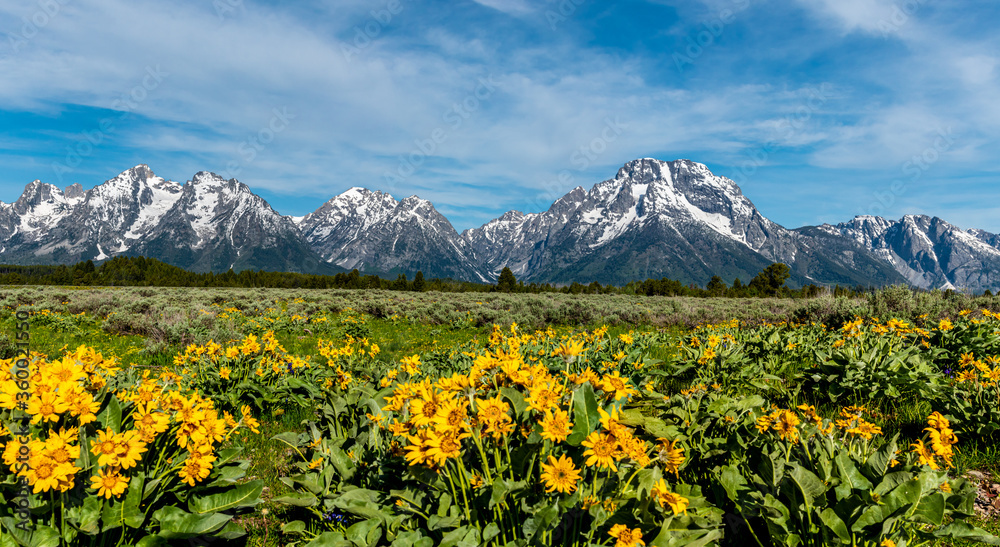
808	483
330	539
293	527
851	479
90	515
177	523
903	495
491	531
930	510
964	530
365	533
130	512
112	416
297	499
835	524
878	463
230	531
413	539
586	417
243	495
289	437
227	455
40	536
152	541
516	399
733	483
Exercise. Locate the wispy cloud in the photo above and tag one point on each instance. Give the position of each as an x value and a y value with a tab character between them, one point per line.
367	104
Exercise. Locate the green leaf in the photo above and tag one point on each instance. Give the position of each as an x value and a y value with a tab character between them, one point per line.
963	530
903	495
772	469
90	515
40	536
130	512
297	499
416	539
293	527
733	483
808	483
851	478
231	531
930	510
878	463
330	539
586	417
152	541
491	531
365	533
112	416
460	537
290	438
647	478
125	511
516	399
836	524
227	455
177	523
243	495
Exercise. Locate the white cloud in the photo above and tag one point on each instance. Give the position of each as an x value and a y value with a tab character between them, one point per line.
511	7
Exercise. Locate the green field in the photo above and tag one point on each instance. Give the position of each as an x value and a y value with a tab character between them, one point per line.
758	396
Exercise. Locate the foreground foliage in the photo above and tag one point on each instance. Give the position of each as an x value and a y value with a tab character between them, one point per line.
94	450
775	434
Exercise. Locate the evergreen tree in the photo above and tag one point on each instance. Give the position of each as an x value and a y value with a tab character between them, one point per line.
419	284
506	282
770	281
716	286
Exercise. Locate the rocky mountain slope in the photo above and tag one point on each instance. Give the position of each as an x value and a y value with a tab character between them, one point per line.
653	219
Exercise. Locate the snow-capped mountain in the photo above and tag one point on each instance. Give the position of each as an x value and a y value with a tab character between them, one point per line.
205	224
658	219
653	219
927	251
371	231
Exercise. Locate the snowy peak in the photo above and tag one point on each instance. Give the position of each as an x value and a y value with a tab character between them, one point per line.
863	229
670	192
371	231
928	251
653	219
38	194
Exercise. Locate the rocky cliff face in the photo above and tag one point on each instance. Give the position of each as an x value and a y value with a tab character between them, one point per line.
653	219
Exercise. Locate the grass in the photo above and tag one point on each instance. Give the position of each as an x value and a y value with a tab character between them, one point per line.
270	460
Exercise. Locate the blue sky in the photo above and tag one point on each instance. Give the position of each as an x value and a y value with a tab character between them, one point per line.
819	109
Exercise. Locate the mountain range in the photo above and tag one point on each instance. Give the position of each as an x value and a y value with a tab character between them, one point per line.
654	219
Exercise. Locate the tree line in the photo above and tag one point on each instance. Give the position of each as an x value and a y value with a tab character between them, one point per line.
129	271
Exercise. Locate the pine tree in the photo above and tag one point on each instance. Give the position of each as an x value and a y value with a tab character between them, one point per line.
419	284
506	282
